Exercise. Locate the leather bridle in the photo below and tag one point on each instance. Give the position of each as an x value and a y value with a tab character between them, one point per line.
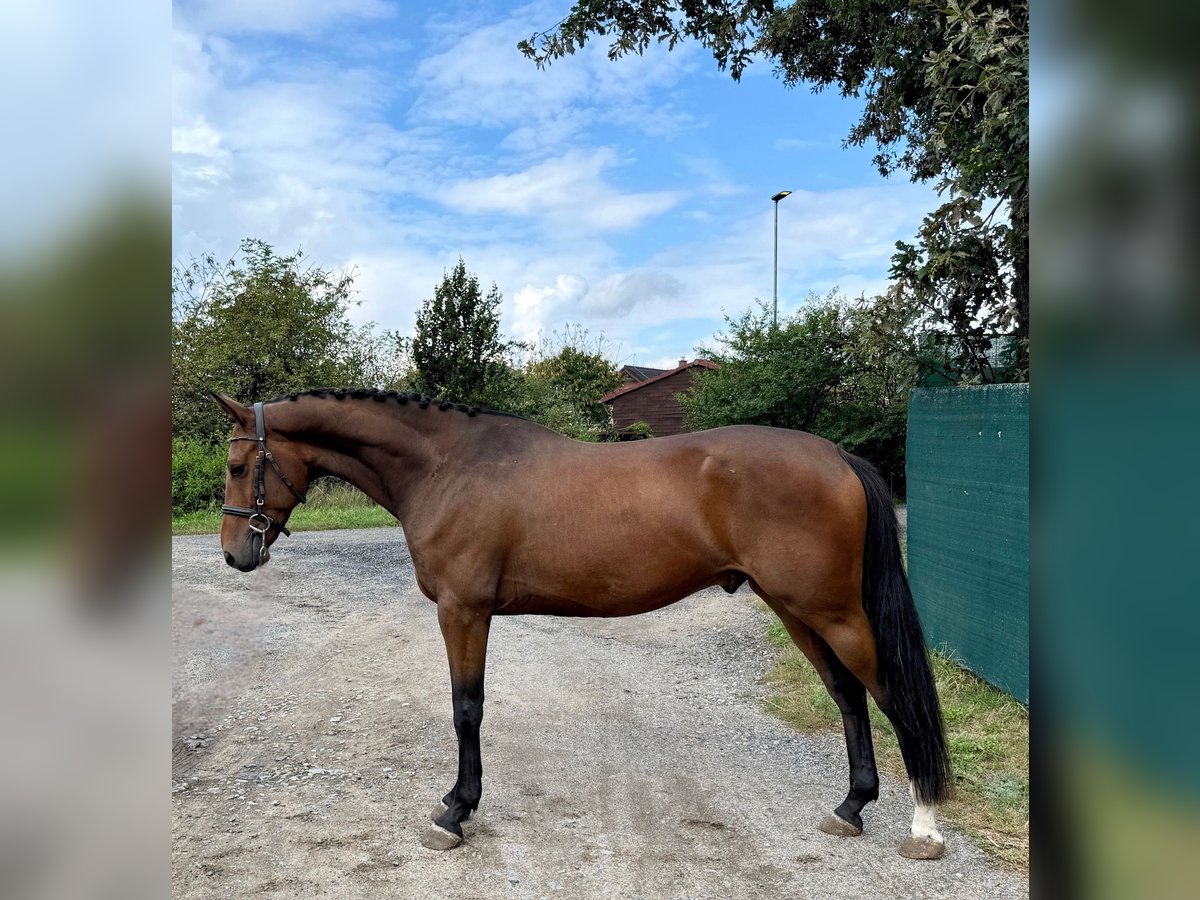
260	523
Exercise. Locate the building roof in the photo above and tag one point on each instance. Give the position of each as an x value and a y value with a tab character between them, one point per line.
696	363
641	373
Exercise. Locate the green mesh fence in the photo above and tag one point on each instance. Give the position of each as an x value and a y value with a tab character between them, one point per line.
968	526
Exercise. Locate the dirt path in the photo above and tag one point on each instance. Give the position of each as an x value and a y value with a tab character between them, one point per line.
624	758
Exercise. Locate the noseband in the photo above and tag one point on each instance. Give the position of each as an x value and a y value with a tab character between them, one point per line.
260	523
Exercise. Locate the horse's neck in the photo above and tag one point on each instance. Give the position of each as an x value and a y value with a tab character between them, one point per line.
382	450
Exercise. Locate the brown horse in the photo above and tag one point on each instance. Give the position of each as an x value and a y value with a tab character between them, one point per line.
504	517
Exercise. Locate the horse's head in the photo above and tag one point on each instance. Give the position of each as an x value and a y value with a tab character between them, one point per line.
266	478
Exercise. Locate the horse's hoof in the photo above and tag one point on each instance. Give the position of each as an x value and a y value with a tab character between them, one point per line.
438	838
922	848
839	827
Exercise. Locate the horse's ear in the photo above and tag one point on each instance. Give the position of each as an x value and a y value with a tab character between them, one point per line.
240	415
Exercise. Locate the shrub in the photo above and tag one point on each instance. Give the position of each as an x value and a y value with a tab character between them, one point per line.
826	369
197	474
637	431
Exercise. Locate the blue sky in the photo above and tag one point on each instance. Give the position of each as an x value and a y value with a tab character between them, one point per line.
631	197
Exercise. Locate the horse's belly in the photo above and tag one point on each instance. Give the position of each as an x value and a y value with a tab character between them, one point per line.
604	593
568	571
561	606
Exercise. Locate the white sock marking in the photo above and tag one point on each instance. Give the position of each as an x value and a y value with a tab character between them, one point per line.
924	823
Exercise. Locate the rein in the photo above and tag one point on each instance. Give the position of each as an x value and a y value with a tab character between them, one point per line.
260	523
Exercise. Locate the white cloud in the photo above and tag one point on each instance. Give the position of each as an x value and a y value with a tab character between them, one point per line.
483	80
667	362
568	191
535	309
301	158
621	294
848	226
838	238
196	139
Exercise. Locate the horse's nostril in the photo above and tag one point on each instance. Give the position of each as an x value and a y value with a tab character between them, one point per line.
229	558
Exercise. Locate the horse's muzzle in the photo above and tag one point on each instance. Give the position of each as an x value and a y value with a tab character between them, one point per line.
250	559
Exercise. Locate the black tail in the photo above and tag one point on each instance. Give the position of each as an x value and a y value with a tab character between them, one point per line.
905	675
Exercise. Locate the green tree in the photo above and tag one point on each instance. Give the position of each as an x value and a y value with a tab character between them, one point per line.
580	374
561	382
260	325
945	87
458	351
825	370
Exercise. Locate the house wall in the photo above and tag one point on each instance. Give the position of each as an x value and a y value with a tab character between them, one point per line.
654	403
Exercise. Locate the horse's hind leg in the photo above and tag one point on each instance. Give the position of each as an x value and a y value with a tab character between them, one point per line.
852	640
465	630
851	698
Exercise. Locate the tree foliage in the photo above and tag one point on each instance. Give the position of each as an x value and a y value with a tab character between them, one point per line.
458	351
967	274
197	474
261	325
580	373
828	369
729	29
945	88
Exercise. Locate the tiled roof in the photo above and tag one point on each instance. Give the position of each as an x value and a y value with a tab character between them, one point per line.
641	373
696	363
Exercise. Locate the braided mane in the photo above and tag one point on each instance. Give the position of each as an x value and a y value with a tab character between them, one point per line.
398	397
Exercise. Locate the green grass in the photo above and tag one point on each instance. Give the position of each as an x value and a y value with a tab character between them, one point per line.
330	505
987	732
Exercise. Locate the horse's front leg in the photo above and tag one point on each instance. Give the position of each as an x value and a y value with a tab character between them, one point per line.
465	630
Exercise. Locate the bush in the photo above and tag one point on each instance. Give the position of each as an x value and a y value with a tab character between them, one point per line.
636	431
197	474
826	369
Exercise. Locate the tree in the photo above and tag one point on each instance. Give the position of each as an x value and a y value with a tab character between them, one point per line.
261	325
945	85
967	275
458	351
580	374
561	383
824	370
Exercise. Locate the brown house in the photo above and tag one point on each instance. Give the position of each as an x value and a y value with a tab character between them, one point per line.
653	400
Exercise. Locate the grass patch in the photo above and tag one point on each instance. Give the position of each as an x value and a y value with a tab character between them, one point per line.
987	732
331	505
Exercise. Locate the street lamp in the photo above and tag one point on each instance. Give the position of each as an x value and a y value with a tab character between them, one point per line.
775	289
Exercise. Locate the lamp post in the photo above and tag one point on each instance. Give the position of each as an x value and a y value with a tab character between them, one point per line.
775	288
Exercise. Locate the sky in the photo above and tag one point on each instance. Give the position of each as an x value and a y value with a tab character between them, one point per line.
630	197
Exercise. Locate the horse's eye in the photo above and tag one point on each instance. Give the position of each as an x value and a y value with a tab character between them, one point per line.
237	471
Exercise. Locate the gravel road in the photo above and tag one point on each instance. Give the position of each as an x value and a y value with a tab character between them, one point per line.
623	758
